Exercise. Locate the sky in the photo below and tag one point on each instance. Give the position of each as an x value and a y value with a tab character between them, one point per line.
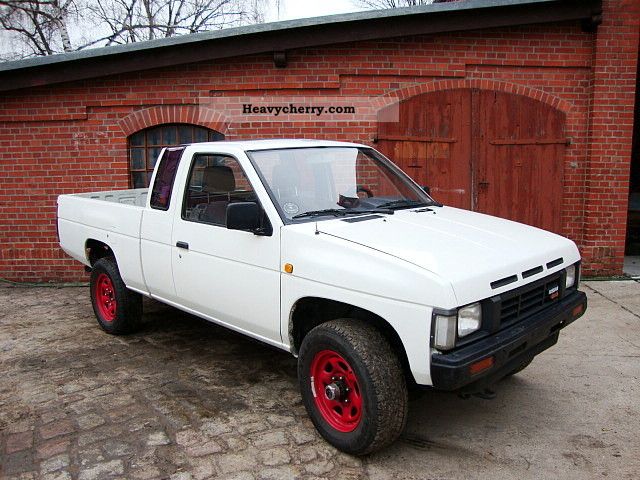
290	9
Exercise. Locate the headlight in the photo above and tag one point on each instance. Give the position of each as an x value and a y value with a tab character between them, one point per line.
444	337
469	319
571	276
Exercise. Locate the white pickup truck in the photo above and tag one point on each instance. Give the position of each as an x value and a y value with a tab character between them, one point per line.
328	250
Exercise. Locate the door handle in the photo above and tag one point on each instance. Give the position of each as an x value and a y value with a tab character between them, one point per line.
184	245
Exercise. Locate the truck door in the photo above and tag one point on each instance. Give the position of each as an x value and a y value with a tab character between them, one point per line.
229	276
157	223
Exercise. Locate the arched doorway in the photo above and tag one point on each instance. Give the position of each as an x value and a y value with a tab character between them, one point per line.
489	151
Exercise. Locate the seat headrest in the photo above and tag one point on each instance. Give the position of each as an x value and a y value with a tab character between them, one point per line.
218	179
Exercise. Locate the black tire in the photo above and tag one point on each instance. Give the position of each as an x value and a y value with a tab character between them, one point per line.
380	379
519	368
124	313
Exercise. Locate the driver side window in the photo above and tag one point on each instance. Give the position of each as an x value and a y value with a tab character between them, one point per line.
215	181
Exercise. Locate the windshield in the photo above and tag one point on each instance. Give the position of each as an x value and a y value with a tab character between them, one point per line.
325	181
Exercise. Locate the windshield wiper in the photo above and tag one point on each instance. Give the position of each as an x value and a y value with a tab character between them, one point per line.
403	203
337	212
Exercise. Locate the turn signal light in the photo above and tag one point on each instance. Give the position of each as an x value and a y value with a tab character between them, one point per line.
481	366
288	268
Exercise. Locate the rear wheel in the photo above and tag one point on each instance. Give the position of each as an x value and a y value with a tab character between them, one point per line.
353	386
117	308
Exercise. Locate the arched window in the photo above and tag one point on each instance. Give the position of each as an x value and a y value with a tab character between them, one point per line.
145	146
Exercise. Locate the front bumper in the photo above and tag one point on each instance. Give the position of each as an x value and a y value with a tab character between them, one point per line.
509	348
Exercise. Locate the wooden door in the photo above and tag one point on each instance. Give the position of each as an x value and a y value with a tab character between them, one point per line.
518	149
431	142
493	152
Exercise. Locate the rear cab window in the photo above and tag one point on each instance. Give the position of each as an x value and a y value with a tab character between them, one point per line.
165	177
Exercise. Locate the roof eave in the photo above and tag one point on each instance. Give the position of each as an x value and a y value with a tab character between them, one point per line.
296	35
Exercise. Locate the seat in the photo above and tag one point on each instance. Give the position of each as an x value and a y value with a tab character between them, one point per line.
217	180
285	182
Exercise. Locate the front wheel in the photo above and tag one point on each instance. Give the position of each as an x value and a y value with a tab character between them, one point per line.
353	386
117	308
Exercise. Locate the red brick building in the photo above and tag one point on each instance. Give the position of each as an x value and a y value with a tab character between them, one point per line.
521	108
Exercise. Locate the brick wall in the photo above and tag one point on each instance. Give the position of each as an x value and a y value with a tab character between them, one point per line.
72	137
611	110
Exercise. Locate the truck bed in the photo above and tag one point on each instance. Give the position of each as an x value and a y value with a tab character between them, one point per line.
135	196
113	218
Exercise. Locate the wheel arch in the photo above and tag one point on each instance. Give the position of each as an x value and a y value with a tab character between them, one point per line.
96	249
309	312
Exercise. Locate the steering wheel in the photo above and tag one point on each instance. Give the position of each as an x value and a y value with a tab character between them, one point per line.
365	190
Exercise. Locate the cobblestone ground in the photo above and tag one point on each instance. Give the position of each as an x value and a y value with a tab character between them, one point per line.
186	399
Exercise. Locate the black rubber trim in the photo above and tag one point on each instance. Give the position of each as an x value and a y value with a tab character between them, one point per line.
554	263
504	281
531	271
361	219
509	347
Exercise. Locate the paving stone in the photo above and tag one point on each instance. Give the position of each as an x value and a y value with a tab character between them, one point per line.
147	473
275	456
56	429
236	444
203	468
269	439
117	448
232	462
252	428
52	447
241	476
348	460
19	426
18	462
307	454
102	470
205	448
16	442
53	415
54	463
59	475
320	467
90	455
281	420
213	429
101	392
302	435
89	421
158	438
72	387
181	476
280	473
188	437
100	434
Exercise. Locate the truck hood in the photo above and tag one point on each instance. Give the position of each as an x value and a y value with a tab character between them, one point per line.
470	250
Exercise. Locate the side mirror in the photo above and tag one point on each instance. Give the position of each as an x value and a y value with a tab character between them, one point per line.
426	189
244	216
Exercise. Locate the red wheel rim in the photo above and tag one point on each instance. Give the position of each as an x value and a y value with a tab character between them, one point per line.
105	297
336	392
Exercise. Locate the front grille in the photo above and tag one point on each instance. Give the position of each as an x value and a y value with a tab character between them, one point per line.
524	301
